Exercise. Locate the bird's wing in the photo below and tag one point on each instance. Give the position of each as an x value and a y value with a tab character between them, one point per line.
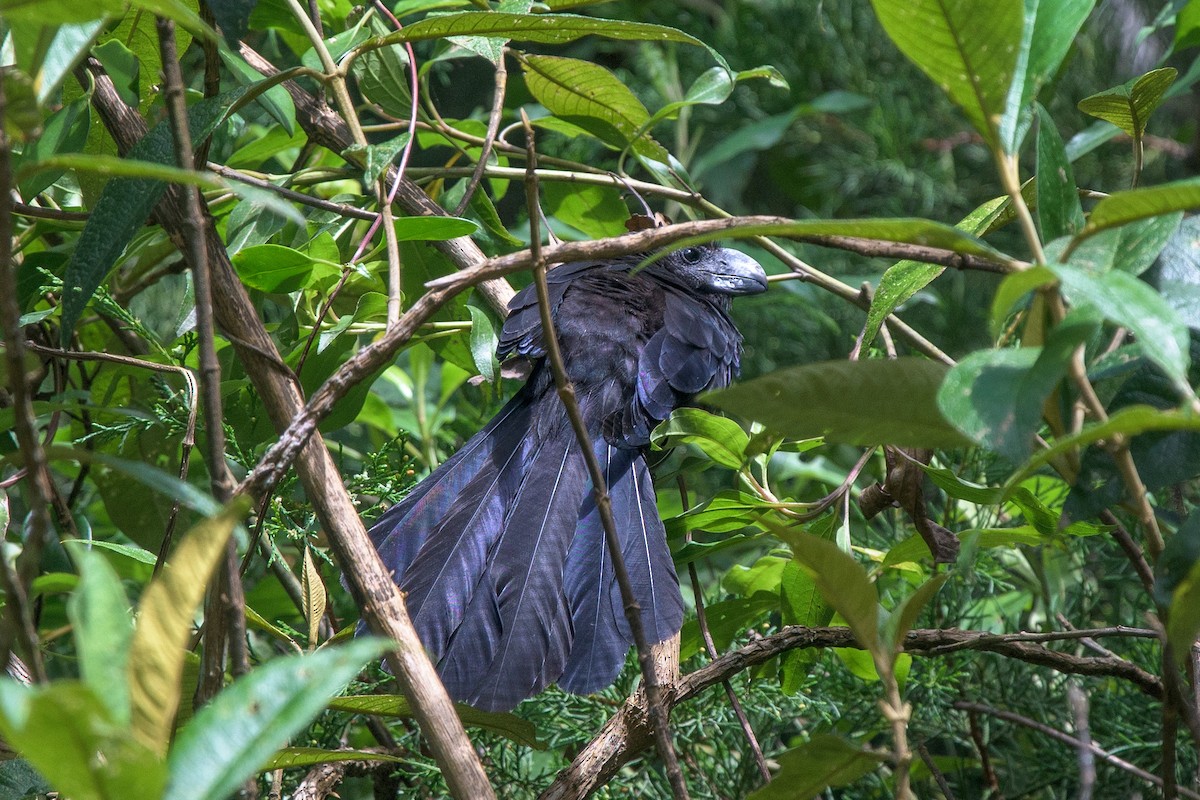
522	331
696	349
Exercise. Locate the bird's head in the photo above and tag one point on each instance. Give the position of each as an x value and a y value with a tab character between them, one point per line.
711	268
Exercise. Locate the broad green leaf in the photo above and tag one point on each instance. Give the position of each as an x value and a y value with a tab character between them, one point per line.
68	46
433	229
996	396
164	625
60	13
764	576
65	131
1187	26
1127	301
905	278
720	438
1121	208
291	757
1049	31
103	626
238	732
968	48
510	726
843	583
902	618
1130	421
65	731
275	101
483	344
856	402
1013	288
800	603
591	97
1058	208
808	770
123	208
376	158
273	268
726	620
760	134
914	548
596	211
161	482
1129	105
713	87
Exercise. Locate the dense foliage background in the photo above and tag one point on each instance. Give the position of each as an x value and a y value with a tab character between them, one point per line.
1030	418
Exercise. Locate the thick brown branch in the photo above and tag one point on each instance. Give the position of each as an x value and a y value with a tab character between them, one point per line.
370	582
628	733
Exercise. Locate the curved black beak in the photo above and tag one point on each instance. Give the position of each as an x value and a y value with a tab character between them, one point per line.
733	272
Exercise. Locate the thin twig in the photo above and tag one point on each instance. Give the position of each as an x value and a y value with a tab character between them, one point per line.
189	432
932	766
19	627
296	197
1071	741
489	138
225	620
566	393
1078	701
710	646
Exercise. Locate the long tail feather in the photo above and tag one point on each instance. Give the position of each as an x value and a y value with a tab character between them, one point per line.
515	632
602	634
402	530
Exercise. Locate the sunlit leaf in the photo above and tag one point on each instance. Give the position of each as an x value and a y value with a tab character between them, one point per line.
1129	105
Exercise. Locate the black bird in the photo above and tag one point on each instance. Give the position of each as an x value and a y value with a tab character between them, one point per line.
500	551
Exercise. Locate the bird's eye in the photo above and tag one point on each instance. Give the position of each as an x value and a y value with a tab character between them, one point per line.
691	255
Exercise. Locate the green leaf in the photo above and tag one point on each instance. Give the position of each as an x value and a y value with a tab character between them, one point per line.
1014	287
510	726
1187	26
483	344
590	96
968	48
761	134
996	396
66	732
291	757
433	229
1129	105
1121	208
60	13
238	732
1132	303
596	211
764	576
905	278
544	29
808	770
275	101
65	131
843	583
273	268
902	618
714	87
1050	29
719	438
726	620
914	547
123	208
164	625
856	402
1058	208
103	625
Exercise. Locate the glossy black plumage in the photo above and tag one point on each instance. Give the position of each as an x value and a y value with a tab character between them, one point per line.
500	551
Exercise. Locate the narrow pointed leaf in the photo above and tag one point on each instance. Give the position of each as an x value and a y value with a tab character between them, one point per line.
808	770
164	625
238	732
1058	208
103	624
